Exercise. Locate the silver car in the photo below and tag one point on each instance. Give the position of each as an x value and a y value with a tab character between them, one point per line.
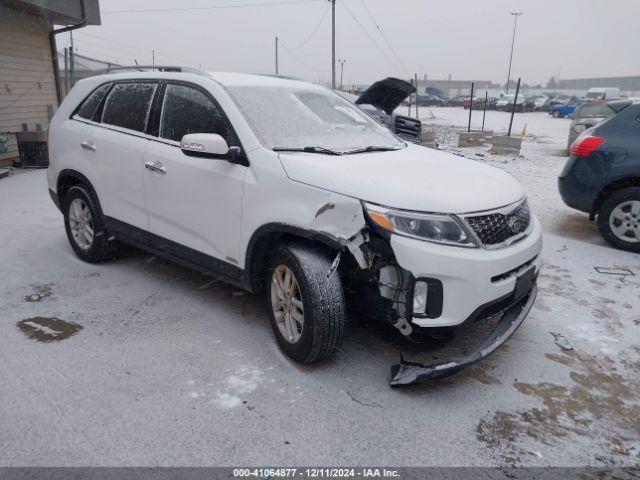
587	116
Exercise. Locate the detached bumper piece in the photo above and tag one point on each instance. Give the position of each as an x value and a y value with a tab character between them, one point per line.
407	373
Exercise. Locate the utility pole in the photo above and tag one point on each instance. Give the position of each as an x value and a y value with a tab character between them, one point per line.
513	39
333	44
415	76
277	55
341	62
153	58
72	60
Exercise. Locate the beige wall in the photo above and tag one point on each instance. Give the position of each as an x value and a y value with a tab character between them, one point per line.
27	87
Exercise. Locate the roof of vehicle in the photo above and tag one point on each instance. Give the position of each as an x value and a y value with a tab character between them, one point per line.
227	79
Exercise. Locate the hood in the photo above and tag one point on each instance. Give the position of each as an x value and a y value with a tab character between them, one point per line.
386	94
414	178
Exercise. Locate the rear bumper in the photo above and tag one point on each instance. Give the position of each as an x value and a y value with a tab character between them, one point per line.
579	184
406	373
55	199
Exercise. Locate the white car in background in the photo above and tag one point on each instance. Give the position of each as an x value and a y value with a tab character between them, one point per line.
283	187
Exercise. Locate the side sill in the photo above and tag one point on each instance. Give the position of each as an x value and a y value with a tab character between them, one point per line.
177	253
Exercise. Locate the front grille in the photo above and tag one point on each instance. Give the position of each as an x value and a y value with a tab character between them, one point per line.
407	128
496	228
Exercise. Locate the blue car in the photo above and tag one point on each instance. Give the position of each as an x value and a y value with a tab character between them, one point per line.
560	111
602	176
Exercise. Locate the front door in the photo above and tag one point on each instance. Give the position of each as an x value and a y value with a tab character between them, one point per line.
194	204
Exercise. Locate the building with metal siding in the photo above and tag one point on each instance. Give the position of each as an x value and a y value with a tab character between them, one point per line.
28	94
625	84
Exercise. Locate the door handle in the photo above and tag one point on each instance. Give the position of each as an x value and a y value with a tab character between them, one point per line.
88	146
155	167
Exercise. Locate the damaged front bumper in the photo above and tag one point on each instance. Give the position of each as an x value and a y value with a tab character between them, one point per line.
406	373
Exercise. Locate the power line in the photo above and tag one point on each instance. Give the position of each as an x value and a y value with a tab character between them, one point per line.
296	58
384	37
214	7
344	5
313	32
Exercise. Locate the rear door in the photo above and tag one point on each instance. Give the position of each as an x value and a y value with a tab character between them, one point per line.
118	142
194	204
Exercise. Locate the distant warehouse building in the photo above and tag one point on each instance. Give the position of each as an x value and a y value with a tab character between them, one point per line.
30	87
625	84
451	88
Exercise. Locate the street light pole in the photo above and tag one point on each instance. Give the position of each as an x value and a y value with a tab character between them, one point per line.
341	62
333	44
513	39
277	72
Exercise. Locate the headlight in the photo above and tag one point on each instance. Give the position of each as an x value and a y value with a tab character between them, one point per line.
424	226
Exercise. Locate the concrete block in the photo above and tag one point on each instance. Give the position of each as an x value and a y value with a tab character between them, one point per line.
503	145
428	139
470	139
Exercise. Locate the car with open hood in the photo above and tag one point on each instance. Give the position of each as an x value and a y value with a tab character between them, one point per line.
380	101
287	190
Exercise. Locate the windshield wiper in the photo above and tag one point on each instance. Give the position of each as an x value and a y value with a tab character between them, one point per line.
372	148
328	151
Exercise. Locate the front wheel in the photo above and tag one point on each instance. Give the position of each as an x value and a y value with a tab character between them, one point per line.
306	302
555	114
619	219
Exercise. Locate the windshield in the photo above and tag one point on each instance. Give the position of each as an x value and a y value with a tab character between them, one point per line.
295	118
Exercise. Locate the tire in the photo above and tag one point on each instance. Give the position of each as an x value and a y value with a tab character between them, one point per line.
93	248
621	209
321	296
555	114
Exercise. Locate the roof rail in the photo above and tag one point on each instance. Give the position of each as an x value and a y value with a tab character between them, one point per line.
159	68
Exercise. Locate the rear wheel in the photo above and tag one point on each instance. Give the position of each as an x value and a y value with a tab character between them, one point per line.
83	223
306	302
619	219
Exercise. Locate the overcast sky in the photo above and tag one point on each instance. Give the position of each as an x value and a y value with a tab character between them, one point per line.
468	39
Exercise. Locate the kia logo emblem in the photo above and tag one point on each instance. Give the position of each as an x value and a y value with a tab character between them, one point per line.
516	224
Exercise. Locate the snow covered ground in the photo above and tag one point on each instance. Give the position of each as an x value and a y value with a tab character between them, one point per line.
159	365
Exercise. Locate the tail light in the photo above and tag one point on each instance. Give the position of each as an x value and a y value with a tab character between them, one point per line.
585	146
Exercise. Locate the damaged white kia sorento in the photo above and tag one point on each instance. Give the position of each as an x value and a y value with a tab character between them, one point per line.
285	188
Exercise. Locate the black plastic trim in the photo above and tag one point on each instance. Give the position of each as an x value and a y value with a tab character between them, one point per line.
55	199
176	252
435	298
78	176
285	229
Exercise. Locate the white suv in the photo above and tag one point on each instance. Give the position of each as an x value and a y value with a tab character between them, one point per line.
283	187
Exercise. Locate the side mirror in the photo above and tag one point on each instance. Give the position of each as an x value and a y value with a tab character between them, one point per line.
208	145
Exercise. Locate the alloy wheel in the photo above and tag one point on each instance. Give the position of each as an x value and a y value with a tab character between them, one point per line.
624	221
81	223
286	301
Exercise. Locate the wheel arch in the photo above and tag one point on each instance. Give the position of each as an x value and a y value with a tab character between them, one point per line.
70	178
267	236
609	188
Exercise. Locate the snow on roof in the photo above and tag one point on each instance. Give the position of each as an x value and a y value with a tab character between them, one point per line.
258	80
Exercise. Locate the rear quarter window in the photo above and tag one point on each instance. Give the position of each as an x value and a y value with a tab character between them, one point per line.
128	105
88	107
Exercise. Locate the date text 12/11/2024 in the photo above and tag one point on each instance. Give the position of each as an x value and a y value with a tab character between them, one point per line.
272	472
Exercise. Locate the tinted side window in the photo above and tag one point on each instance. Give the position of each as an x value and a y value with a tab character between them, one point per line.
187	110
88	107
128	105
